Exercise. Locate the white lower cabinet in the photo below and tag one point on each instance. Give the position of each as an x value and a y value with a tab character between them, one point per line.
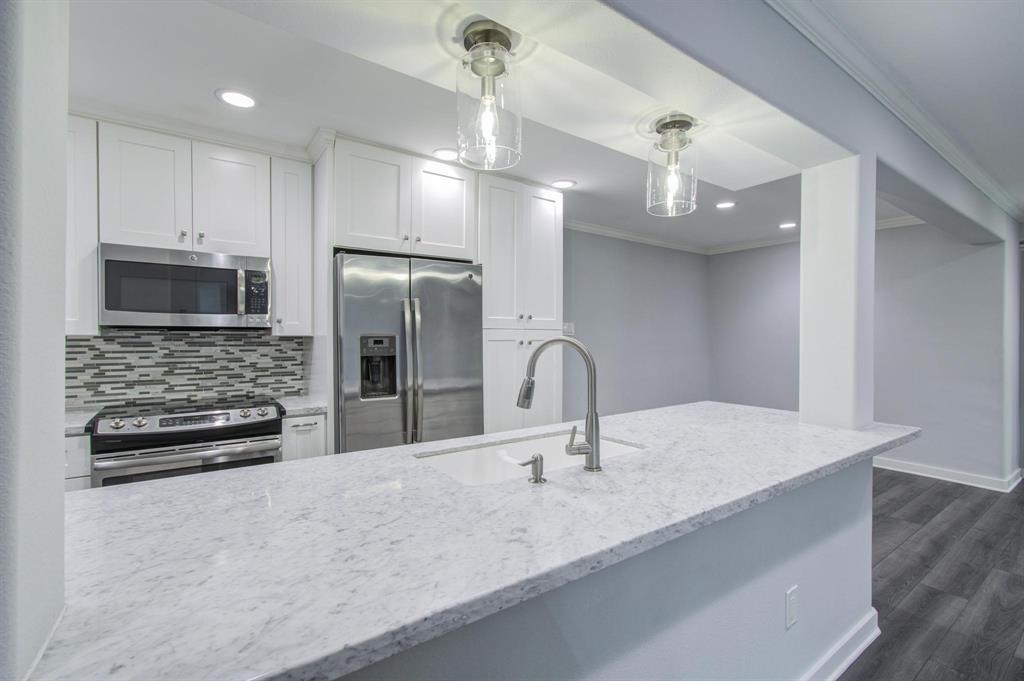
506	352
303	437
77	463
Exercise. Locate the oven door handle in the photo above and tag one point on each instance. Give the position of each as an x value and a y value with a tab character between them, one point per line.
202	455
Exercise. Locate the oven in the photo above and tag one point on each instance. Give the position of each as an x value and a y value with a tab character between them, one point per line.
162	287
169	462
132	444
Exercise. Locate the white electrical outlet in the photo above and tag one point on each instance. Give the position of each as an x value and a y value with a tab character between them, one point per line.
791	611
568	329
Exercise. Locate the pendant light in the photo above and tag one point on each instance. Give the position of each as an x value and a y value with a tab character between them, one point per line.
487	95
672	168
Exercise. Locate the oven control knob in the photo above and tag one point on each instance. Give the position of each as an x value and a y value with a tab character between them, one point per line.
140	422
244	413
262	411
117	424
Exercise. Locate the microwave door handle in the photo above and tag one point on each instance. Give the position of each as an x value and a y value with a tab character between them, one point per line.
419	369
241	291
407	316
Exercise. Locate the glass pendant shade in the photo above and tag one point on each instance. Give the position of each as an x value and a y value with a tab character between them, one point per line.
490	125
672	175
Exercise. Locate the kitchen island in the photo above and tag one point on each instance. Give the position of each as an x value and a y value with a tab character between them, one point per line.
676	557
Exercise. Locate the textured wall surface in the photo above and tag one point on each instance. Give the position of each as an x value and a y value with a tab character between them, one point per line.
179	364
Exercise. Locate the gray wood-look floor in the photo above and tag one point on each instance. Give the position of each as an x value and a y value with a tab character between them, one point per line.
948	583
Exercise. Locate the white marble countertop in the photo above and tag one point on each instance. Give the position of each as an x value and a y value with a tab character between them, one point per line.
75	420
302	405
311	569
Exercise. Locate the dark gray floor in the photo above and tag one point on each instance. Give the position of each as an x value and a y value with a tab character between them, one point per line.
948	583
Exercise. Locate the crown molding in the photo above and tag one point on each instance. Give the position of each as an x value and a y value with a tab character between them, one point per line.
322	140
614	233
825	32
624	235
901	221
750	245
101	111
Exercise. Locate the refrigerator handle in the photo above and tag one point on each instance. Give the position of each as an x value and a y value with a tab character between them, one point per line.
408	436
419	370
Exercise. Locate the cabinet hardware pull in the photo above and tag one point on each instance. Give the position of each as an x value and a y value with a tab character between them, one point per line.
311	424
183	233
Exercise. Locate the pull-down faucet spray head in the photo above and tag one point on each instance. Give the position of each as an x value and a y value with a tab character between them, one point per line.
525	400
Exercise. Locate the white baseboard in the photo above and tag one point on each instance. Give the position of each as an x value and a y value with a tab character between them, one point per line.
985	482
846	650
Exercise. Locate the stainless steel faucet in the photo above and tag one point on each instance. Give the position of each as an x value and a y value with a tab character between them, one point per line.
591	447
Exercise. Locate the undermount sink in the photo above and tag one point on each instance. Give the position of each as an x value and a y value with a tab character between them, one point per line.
498	462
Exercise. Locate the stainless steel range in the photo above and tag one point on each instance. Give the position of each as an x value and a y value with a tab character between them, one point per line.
145	442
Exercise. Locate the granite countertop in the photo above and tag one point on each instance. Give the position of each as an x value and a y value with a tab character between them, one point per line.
301	405
312	569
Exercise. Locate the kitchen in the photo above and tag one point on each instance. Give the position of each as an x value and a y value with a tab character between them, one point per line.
445	365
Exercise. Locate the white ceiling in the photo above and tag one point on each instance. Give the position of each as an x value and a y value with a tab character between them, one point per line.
953	70
160	61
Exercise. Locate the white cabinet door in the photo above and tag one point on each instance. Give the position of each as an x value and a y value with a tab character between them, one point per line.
81	285
303	437
500	215
547	392
444	221
145	181
504	363
291	200
77	457
373	198
231	196
540	265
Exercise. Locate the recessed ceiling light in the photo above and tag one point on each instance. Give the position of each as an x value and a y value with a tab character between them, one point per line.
446	154
234	98
725	204
563	184
787	225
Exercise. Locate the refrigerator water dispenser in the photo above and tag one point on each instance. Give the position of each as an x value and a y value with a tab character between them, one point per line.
378	370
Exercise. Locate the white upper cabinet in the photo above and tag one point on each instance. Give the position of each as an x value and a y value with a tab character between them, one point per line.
521	250
540	267
81	307
500	205
145	188
231	199
374	192
291	186
444	221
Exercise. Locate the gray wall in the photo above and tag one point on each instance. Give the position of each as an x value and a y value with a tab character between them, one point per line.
938	340
642	310
754	323
938	347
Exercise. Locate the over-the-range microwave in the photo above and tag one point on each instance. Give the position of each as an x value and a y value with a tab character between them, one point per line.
161	287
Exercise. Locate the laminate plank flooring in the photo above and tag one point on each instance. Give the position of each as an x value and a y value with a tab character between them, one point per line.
948	583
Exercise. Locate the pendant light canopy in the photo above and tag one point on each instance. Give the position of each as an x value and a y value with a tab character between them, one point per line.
487	94
672	168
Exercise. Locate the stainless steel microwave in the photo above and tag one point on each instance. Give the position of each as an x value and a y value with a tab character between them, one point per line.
161	287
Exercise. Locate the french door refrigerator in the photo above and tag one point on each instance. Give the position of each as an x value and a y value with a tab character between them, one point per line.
409	343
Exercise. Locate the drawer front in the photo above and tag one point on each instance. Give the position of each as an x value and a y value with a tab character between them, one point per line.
76	457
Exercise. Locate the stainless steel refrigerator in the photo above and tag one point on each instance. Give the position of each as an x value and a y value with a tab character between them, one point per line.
410	349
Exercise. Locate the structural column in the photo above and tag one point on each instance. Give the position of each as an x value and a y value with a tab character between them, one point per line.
837	285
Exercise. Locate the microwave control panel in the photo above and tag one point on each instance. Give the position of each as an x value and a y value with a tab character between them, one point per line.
257	293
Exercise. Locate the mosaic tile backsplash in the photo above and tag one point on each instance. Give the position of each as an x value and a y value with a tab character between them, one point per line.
156	365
